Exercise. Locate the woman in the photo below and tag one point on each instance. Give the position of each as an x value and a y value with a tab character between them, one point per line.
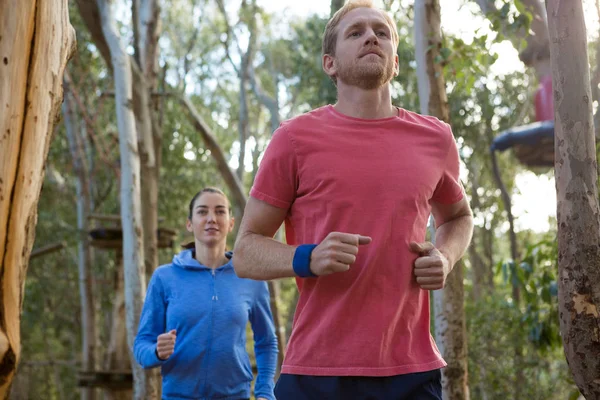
193	324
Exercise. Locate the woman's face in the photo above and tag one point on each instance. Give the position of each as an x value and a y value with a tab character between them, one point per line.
210	221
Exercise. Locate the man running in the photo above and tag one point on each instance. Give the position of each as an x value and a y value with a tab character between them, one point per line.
355	184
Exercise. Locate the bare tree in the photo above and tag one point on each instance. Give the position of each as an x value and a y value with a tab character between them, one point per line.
577	196
86	291
131	215
450	326
37	42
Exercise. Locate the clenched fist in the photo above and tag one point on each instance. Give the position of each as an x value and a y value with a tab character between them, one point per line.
432	267
165	344
336	253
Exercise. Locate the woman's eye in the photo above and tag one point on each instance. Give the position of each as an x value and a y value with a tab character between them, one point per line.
355	34
382	33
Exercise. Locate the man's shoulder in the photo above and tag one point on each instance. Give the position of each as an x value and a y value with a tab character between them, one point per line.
426	120
306	119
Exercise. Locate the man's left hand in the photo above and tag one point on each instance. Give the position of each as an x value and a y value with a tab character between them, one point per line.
431	267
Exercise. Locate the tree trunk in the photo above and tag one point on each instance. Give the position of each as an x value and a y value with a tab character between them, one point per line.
479	267
147	23
451	331
86	291
131	215
577	196
142	109
117	355
37	42
450	325
335	5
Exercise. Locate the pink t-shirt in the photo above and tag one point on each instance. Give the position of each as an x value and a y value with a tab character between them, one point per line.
375	178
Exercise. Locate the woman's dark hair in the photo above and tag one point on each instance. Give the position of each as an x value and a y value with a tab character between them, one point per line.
200	193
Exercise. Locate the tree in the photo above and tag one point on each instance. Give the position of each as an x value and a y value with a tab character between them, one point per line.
577	200
86	292
131	208
530	25
450	327
335	5
38	40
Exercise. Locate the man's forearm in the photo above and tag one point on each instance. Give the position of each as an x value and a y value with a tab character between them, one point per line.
453	237
262	258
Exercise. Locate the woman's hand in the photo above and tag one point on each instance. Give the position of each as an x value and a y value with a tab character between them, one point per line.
165	344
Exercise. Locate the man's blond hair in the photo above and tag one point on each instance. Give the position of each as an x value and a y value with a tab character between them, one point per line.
331	32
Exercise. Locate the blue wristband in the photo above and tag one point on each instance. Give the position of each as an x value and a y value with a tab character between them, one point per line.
301	261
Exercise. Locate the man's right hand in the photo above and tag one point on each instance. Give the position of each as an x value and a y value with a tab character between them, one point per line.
336	253
165	344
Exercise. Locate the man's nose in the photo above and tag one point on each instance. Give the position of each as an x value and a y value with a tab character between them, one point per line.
371	37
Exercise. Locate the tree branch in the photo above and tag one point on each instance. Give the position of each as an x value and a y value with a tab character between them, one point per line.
211	143
90	14
229	33
149	25
270	102
51	248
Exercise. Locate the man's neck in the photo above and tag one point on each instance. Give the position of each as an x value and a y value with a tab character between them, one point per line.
211	257
366	104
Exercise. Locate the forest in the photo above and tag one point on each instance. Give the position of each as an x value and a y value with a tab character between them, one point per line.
152	100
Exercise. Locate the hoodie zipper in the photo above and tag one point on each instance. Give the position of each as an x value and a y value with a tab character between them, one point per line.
213	273
215	297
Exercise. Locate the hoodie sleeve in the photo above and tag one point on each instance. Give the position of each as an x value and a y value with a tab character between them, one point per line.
152	324
265	344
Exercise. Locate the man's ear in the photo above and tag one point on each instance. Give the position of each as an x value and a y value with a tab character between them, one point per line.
329	65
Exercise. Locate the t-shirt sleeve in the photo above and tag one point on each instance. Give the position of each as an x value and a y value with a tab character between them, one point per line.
449	190
277	177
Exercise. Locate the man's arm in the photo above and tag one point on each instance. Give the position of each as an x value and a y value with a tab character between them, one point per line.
454	229
258	256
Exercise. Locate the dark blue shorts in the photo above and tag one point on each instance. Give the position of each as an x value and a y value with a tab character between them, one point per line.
417	386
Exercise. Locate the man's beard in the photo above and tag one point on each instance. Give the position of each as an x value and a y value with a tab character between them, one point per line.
367	76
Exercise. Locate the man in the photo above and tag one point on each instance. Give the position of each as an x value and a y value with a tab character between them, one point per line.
355	184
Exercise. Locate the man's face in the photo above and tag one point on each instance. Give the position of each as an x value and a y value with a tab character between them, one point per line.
365	54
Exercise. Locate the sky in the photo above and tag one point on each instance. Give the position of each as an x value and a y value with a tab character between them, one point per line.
535	198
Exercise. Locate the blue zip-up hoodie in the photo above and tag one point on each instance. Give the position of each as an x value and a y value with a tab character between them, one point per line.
210	310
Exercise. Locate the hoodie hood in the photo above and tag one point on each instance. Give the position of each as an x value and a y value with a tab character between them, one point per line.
186	260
